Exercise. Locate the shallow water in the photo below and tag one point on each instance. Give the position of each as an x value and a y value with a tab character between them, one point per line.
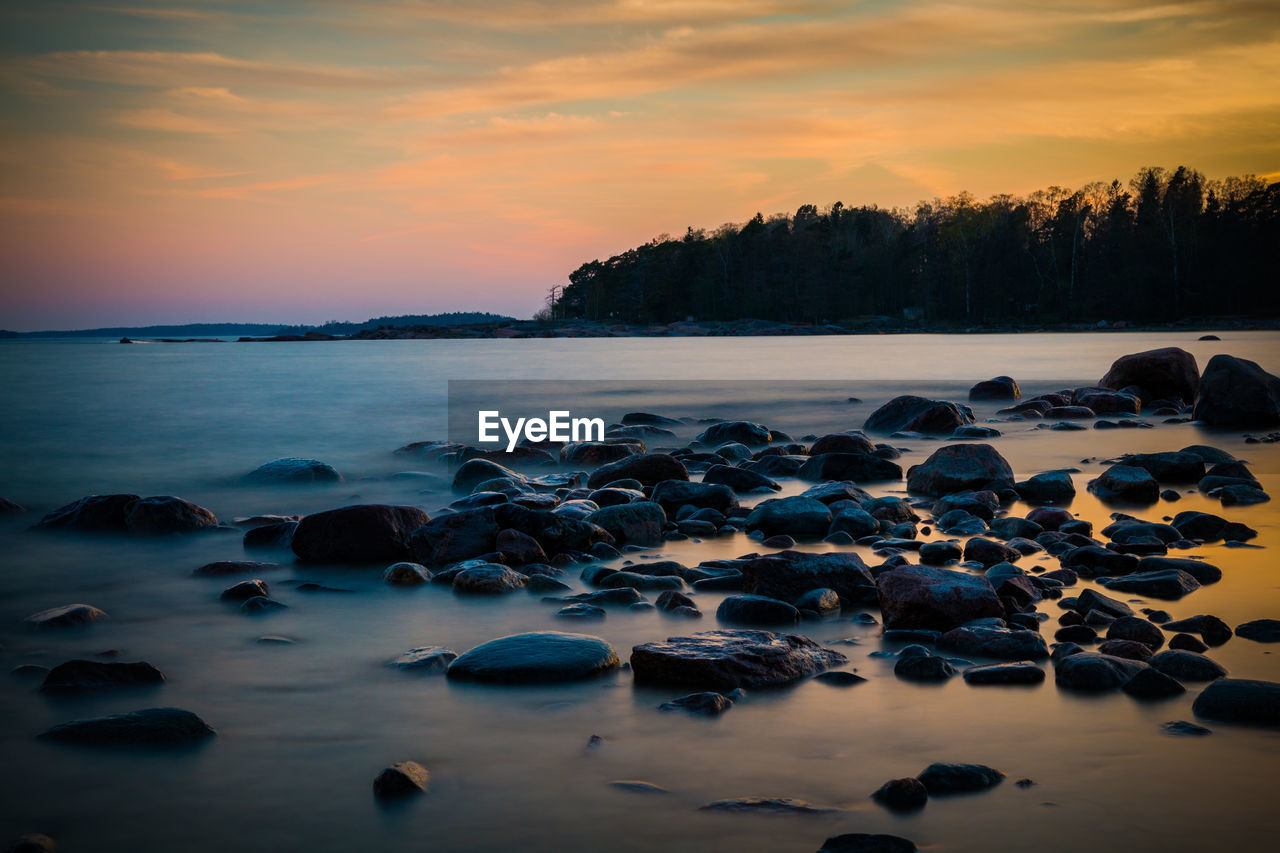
303	729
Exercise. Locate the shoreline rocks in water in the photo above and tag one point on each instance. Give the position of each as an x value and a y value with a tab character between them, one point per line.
158	727
151	516
728	659
364	533
540	657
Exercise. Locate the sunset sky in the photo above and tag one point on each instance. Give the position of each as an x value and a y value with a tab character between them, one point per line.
300	161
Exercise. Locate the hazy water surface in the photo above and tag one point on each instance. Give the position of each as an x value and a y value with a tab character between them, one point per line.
303	729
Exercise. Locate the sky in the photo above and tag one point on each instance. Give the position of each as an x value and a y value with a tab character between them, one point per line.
296	162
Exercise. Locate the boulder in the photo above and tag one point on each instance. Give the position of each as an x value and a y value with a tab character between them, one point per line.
92	514
788	575
400	780
364	533
1126	484
160	515
1169	466
1168	373
488	579
1240	700
909	413
1260	630
78	675
1103	402
708	704
867	842
1213	630
519	548
1151	683
1187	666
1167	584
639	523
276	535
724	660
1051	487
158	727
1000	388
956	467
855	521
738	432
66	616
924	668
473	472
905	794
1004	673
854	467
795	516
842	442
648	469
937	599
1237	392
292	469
1092	672
995	642
541	657
741	480
590	454
425	659
1137	629
1204	573
943	778
756	610
673	494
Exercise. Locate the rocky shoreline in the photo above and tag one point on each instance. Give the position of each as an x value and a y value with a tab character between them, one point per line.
963	587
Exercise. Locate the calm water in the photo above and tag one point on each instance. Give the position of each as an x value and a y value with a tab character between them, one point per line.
304	728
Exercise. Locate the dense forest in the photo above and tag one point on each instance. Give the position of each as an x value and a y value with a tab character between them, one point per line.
333	327
1168	245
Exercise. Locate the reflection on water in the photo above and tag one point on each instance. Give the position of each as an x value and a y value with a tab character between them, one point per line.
304	728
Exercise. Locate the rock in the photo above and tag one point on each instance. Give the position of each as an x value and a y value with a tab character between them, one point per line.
1187	643
1137	629
837	678
425	659
855	521
638	787
1213	630
1126	484
938	599
1131	649
488	579
92	514
1005	673
739	432
292	469
542	657
704	704
854	467
223	568
1240	495
77	675
1237	392
244	591
989	553
1168	584
278	534
995	642
842	442
795	516
939	553
164	514
639	523
1051	487
788	575
406	574
519	548
403	779
590	454
260	604
916	414
1168	373
34	842
756	610
365	533
724	660
1168	467
1204	573
581	612
648	469
1091	600
1182	728
673	494
1000	388
902	795
1089	671
1187	666
1151	683
1103	402
956	467
740	480
1260	630
821	601
924	668
148	727
959	778
677	603
865	842
766	805
1240	700
66	616
1069	412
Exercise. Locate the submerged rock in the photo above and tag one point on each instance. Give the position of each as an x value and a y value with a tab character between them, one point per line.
648	469
292	469
425	659
866	842
705	704
775	805
541	657
148	727
1260	630
788	575
907	794
724	660
943	778
1092	672
66	616
1005	673
756	610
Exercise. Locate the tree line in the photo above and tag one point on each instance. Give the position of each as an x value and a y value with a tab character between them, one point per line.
1168	245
